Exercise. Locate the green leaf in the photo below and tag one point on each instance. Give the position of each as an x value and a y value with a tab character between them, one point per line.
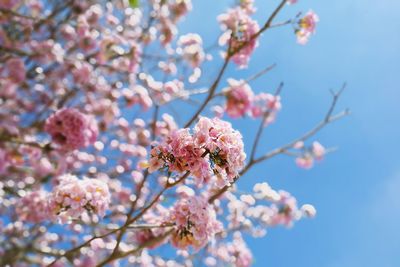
134	3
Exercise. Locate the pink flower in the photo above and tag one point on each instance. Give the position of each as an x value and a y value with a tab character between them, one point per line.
43	166
68	32
138	95
191	48
235	253
307	27
179	153
33	207
195	221
72	197
286	210
315	152
48	51
16	70
247	6
179	8
218	111
240	30
263	103
305	161
71	129
225	146
318	150
308	210
239	97
292	2
166	126
81	72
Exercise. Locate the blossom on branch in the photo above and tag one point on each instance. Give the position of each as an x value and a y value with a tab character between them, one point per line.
195	221
239	34
306	27
71	129
74	197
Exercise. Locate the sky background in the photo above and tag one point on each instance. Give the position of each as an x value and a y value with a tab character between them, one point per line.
356	190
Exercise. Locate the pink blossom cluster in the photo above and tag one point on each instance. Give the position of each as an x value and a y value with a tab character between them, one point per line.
12	73
195	221
71	129
73	197
15	70
165	126
241	100
284	209
169	13
138	95
160	92
239	34
179	153
265	102
306	159
47	51
214	148
191	48
225	147
264	208
33	207
234	253
179	8
306	27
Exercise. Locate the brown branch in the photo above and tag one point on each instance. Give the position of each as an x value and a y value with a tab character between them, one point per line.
261	73
77	248
211	92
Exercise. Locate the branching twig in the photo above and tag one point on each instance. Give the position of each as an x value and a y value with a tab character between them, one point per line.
329	118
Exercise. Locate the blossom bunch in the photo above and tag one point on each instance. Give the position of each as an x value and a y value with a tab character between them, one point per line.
315	152
214	148
306	27
235	253
179	153
71	129
225	146
73	197
191	48
33	207
239	34
241	100
195	222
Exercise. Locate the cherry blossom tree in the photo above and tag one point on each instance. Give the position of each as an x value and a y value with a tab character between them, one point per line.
95	170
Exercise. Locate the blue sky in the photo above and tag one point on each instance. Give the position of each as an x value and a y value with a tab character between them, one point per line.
356	189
